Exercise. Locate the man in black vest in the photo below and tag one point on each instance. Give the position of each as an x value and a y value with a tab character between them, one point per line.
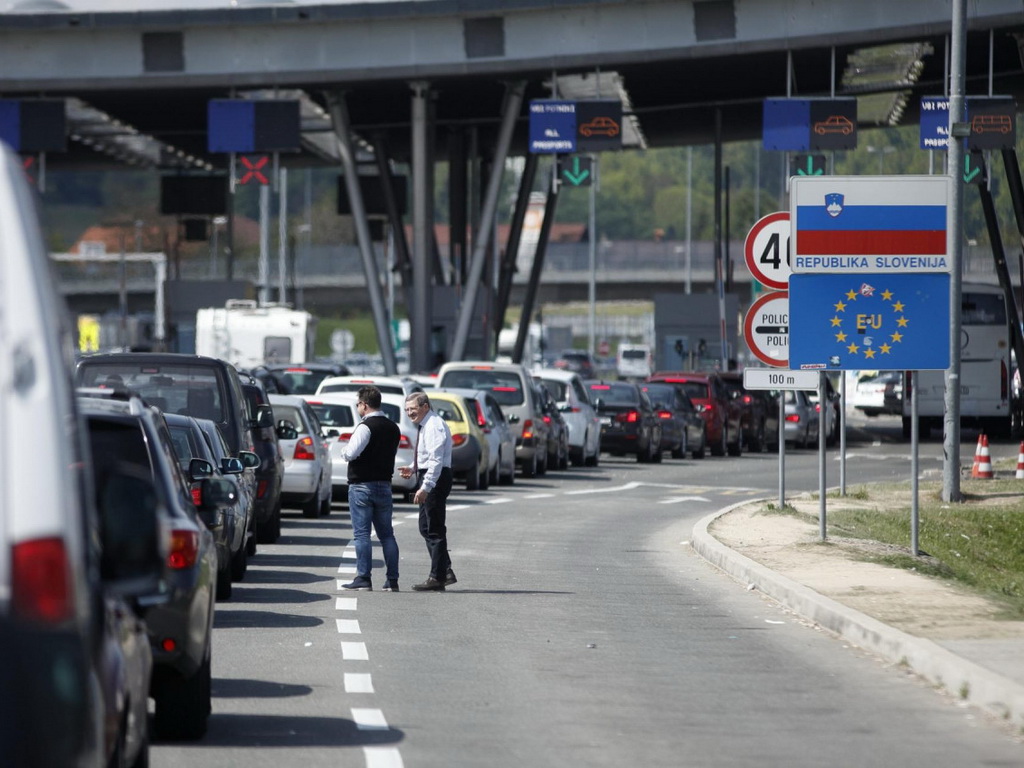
371	462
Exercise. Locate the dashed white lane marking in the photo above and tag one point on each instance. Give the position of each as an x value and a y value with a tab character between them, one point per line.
539	496
499	500
450	507
677	499
626	487
369	719
354	651
345	603
348	626
358	682
383	757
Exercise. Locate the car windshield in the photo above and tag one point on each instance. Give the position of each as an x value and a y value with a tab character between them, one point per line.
333	415
616	394
355	386
506	386
558	389
176	388
290	413
299	381
660	393
448	411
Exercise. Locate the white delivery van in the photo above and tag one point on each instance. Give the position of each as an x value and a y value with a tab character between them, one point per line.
248	335
634	361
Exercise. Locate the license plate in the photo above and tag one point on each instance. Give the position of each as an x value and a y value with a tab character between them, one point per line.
606	420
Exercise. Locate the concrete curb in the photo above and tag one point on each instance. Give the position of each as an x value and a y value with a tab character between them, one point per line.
996	694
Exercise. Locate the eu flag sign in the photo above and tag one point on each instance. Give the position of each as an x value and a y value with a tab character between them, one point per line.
857	321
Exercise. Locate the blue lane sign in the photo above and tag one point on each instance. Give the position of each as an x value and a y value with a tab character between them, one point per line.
801	125
991	119
552	126
850	322
934	122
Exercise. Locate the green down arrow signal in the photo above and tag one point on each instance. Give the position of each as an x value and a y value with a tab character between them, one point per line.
576	177
970	172
810	170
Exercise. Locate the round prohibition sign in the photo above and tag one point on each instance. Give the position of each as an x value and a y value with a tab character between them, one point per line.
766	250
766	329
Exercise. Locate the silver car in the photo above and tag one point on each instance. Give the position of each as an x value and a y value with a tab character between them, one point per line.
801	418
307	460
573	400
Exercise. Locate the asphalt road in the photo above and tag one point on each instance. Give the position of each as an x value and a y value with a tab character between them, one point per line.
583	632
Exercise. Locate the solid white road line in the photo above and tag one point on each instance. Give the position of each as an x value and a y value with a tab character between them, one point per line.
348	626
383	757
354	651
345	603
499	500
539	496
677	499
626	487
358	682
369	719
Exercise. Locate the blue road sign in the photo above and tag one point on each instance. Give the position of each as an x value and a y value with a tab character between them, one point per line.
786	124
552	126
851	322
934	122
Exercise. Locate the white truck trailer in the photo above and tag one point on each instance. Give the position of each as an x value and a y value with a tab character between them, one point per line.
247	335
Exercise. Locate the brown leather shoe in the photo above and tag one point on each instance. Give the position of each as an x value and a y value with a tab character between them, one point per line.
430	585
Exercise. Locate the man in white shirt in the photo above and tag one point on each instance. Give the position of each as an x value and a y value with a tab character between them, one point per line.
433	466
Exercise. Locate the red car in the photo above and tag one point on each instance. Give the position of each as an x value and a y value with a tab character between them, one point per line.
720	411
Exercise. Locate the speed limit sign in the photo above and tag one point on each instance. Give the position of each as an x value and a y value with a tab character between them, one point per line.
766	250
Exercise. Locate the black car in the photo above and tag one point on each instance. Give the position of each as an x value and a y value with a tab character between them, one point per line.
193	441
270	472
628	421
683	429
179	618
194	385
303	378
558	434
754	413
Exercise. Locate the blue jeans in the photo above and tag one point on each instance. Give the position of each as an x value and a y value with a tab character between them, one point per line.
372	503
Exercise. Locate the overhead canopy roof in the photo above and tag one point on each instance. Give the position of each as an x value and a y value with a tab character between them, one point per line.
138	81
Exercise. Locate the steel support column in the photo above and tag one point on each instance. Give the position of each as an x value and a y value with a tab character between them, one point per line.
538	265
401	244
421	313
515	236
342	130
513	104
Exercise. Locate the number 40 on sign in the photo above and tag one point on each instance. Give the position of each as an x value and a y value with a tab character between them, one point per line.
766	251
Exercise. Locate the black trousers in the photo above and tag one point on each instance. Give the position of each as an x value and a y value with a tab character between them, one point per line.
432	524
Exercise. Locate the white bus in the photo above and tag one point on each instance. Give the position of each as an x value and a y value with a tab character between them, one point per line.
986	400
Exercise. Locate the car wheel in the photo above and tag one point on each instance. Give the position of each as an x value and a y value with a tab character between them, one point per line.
699	453
223	591
530	467
757	445
485	478
325	505
311	508
473	479
718	449
542	466
679	452
250	545
183	705
239	564
736	449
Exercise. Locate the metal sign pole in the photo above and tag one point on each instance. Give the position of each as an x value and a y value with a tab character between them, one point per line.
842	434
914	439
821	455
782	450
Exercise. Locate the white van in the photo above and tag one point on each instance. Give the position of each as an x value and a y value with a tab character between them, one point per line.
60	564
634	361
247	335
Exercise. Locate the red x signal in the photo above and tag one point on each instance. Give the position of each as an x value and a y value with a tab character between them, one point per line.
253	170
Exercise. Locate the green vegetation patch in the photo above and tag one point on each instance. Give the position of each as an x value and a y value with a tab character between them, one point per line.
978	543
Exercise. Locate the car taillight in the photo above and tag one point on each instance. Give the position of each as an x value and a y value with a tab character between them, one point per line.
817	407
628	417
458	439
42	590
481	420
184	549
793	418
664	414
547	419
261	489
344	437
748	399
197	495
527	429
304	449
707	407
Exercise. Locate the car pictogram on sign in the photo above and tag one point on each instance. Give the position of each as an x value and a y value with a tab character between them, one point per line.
600	126
834	124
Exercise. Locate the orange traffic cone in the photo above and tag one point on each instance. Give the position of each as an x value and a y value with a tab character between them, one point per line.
1020	463
984	462
977	458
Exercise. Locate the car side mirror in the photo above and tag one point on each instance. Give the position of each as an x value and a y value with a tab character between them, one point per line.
134	540
217	493
199	469
250	460
231	465
264	417
513	418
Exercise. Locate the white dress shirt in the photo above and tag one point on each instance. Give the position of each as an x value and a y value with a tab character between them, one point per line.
360	438
433	449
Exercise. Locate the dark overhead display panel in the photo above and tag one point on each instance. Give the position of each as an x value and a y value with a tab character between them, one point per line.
243	125
34	125
194	195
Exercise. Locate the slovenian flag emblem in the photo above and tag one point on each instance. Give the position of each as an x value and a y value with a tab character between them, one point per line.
837	229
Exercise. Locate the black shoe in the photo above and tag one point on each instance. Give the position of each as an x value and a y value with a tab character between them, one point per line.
359	584
449	578
430	585
391	585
